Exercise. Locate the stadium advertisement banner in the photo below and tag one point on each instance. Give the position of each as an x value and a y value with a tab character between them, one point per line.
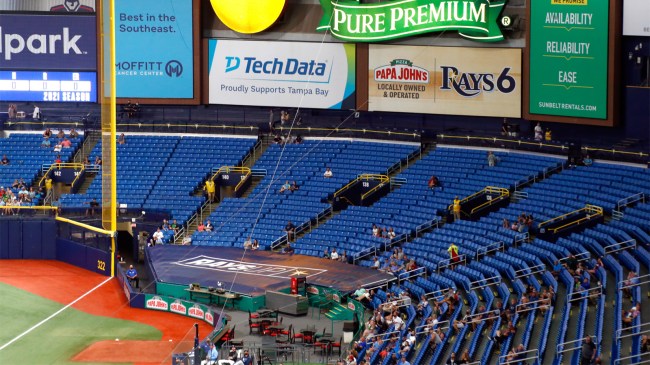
568	58
352	21
445	80
182	307
154	58
287	74
59	6
54	86
48	42
635	18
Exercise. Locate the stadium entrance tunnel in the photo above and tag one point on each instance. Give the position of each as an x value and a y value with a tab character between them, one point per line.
365	190
483	202
231	181
571	222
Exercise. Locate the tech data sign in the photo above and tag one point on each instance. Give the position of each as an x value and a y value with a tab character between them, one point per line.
352	21
287	74
247	268
445	80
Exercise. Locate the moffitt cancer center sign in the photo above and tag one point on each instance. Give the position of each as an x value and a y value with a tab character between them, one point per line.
352	21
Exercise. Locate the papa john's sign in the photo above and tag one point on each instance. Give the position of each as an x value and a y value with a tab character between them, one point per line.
352	21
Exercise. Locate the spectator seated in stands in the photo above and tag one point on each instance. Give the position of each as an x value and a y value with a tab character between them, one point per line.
517	353
250	243
60	134
629	284
391	233
334	255
121	139
58	159
4	161
98	161
587	161
328	173
174	226
460	324
290	228
375	230
74	133
629	316
395	268
158	236
208	226
66	143
326	254
645	344
200	227
294	186
434	182
571	264
376	264
452	359
47	133
46	142
287	250
286	186
132	275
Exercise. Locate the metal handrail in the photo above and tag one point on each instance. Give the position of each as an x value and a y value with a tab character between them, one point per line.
429	327
559	348
485	250
621	359
589	293
440	292
582	256
462	259
629	200
638	327
494	280
503	359
381	184
609	250
528	308
382	178
421	271
592	211
532	270
504	193
621	284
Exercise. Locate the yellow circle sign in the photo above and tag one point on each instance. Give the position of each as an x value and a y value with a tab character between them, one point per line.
248	16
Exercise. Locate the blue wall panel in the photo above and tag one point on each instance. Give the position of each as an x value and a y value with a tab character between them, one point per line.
15	232
32	239
48	239
4	239
71	252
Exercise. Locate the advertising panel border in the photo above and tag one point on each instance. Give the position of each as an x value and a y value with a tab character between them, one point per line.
613	75
445	80
289	75
196	66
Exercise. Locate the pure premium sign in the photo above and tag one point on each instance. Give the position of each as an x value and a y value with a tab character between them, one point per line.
352	21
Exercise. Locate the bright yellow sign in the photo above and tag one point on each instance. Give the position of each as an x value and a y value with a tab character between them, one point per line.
248	16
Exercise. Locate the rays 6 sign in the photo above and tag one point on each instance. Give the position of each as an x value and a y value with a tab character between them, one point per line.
288	74
445	80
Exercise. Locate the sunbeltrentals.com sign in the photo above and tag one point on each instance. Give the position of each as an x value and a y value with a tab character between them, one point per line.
355	22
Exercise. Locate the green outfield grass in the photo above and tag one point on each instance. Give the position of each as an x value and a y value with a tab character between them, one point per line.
62	337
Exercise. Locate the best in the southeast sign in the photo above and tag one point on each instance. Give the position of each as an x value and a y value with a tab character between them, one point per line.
568	58
352	21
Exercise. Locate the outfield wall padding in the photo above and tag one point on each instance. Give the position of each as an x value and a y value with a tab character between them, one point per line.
86	257
27	238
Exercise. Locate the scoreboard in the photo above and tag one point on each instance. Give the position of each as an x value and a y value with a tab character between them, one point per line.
55	86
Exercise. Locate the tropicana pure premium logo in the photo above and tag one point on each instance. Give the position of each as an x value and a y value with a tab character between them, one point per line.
353	21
